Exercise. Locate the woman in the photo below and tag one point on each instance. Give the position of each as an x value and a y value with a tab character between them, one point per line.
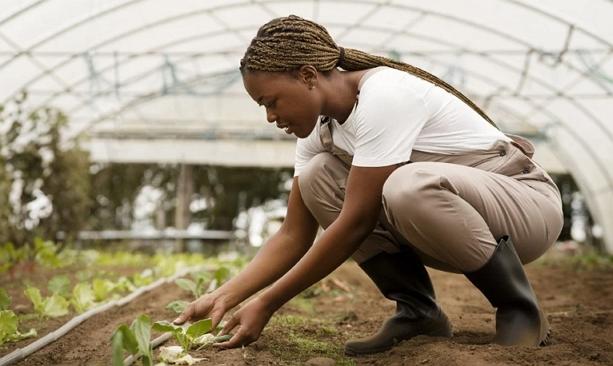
400	169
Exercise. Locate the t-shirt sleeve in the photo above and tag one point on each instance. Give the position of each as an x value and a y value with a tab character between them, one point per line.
389	117
306	149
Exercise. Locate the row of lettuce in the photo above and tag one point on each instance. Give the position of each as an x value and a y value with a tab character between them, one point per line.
92	281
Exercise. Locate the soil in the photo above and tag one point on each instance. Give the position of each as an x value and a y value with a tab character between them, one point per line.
579	303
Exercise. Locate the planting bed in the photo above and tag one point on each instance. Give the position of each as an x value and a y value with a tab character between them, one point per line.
579	303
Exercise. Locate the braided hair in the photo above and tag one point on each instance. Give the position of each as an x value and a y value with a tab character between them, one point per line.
287	43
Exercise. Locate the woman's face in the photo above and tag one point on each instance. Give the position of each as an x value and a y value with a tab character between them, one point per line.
289	100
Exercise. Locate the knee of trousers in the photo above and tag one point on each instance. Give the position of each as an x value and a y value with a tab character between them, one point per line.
412	190
322	183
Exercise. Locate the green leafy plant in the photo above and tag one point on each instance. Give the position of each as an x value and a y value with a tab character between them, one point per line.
177	306
221	274
10	256
83	297
195	286
49	307
5	300
59	285
134	339
102	288
46	253
9	328
194	334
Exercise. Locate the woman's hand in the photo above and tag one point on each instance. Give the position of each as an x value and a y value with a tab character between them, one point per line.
251	320
212	305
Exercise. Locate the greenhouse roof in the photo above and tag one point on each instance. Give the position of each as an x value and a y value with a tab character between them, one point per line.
159	69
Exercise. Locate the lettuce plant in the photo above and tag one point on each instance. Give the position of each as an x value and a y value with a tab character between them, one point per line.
59	285
9	331
102	289
83	297
49	307
134	339
193	334
177	306
195	286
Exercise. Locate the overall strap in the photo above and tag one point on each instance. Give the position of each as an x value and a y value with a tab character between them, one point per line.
326	140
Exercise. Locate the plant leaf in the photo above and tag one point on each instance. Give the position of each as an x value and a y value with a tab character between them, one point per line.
9	331
55	306
117	348
221	274
166	326
141	327
128	340
187	285
177	306
82	297
33	294
184	340
5	300
8	325
46	253
59	285
102	288
199	328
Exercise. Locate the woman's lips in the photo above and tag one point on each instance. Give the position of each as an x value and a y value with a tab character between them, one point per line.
286	128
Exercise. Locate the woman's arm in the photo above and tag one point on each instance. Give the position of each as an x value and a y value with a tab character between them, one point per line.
278	255
356	221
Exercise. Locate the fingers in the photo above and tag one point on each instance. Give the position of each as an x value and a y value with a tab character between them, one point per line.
216	316
230	324
185	315
239	339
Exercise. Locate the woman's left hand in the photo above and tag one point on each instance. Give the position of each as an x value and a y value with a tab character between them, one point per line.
251	320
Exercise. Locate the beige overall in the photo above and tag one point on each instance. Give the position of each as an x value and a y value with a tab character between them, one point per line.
451	209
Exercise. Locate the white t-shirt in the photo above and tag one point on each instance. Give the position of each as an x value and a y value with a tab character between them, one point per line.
397	113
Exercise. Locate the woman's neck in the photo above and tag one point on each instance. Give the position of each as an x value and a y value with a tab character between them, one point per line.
341	89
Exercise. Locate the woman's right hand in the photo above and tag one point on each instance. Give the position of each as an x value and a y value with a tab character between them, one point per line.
208	305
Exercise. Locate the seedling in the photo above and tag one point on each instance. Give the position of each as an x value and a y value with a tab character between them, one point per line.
194	334
9	328
83	297
50	307
135	340
59	285
177	306
195	286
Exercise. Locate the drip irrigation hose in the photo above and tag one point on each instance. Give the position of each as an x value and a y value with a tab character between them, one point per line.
21	353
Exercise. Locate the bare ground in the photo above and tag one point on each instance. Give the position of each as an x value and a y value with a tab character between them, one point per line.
579	304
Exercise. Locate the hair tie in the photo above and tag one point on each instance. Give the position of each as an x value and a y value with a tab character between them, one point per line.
341	56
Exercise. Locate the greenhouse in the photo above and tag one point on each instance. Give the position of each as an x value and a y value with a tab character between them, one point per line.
222	182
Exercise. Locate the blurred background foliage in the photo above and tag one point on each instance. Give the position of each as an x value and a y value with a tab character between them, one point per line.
49	186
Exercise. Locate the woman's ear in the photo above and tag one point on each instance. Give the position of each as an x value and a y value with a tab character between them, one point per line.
307	74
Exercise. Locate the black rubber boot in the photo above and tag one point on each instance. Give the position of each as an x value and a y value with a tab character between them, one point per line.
519	319
402	277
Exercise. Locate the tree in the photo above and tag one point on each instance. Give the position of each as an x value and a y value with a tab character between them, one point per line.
44	183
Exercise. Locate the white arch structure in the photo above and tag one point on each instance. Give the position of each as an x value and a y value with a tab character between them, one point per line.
150	69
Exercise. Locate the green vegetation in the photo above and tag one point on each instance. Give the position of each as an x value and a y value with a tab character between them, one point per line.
299	338
135	340
587	260
36	165
9	328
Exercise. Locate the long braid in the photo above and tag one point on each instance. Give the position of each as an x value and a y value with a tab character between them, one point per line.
286	44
